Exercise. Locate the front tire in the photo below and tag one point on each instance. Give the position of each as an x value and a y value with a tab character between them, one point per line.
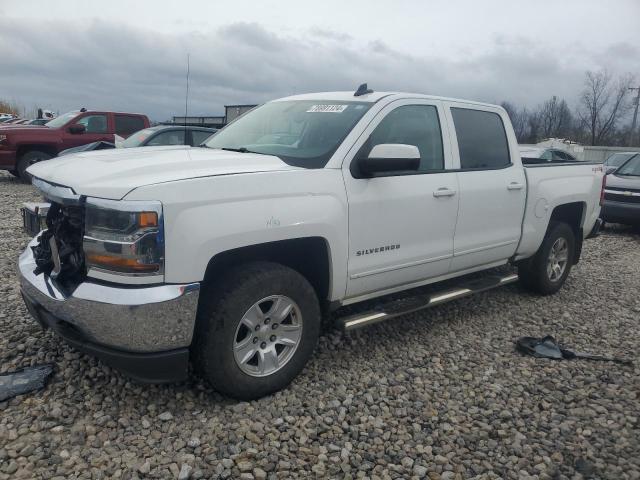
257	328
548	269
28	159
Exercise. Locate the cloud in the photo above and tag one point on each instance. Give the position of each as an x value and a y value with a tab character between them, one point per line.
101	64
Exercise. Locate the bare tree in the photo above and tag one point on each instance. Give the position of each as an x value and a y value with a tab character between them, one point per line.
9	107
534	127
555	118
519	120
602	104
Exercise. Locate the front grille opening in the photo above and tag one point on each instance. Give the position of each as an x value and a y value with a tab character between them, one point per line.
621	197
65	263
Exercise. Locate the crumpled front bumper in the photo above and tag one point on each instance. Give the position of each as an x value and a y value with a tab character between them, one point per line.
144	331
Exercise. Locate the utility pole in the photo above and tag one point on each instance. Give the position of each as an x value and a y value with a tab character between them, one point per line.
635	117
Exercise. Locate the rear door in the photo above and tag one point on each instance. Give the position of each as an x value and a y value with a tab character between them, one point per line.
401	224
125	125
492	188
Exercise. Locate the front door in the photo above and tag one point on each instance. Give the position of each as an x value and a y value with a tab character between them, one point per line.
96	129
401	226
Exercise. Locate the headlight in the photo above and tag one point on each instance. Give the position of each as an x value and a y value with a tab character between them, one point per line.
124	238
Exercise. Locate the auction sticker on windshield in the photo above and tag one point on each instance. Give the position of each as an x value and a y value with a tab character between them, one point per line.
327	108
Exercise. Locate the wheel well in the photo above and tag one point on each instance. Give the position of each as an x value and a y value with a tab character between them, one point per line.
308	256
572	214
22	149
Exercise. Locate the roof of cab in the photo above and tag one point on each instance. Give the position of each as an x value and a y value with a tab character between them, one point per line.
376	96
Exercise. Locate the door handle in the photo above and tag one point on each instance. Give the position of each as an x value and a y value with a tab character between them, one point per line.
444	192
515	186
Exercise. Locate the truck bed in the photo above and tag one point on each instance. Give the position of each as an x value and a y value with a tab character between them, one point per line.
571	184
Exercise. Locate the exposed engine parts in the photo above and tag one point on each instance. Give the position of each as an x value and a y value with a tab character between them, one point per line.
58	253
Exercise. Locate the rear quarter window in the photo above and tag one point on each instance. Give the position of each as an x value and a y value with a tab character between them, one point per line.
482	140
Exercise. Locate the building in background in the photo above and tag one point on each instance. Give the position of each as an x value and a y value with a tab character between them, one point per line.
193	121
231	112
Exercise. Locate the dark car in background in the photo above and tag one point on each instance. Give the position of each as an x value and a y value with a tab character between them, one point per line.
615	160
39	121
153	137
622	194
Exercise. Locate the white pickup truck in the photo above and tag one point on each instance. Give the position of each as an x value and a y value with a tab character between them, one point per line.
232	253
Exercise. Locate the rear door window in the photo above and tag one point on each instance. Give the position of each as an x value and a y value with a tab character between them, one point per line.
482	140
172	137
127	124
562	156
199	136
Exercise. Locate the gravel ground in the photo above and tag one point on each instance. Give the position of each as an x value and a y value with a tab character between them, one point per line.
439	395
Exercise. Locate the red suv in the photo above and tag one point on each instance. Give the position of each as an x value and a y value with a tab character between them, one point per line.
21	146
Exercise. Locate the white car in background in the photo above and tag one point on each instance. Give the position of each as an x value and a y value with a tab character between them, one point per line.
5	117
547	154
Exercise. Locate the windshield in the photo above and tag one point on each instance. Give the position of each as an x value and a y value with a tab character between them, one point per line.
136	139
632	167
618	159
61	120
304	133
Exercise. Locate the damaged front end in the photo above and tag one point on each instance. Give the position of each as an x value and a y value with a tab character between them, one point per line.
95	276
58	253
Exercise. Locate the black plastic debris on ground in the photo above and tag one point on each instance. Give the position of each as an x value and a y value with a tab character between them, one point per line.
547	347
24	381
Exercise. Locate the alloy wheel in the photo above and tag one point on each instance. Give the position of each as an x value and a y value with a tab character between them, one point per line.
267	336
557	260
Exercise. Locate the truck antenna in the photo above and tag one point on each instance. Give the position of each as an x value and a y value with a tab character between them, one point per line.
362	90
186	100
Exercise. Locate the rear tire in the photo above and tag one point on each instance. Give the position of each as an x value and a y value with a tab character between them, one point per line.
548	269
246	344
28	159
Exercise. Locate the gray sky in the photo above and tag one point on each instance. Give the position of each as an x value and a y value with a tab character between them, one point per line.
131	56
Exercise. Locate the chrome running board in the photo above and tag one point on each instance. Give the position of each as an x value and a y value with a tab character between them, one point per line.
396	308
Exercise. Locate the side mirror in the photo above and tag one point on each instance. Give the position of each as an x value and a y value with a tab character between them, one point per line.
77	128
390	157
610	169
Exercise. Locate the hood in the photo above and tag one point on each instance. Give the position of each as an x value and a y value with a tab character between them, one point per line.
623	181
114	173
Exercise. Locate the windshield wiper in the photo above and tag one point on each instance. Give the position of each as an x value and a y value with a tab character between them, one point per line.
240	149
